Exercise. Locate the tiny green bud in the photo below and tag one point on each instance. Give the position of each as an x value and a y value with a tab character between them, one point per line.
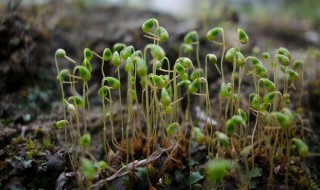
84	73
158	81
238	120
103	91
254	101
265	55
242	36
86	63
116	61
196	74
188	48
63	73
165	97
270	86
288	113
107	54
286	98
77	100
230	127
188	38
184	83
302	147
126	52
194	86
113	82
88	169
85	140
283	120
184	76
163	34
284	51
170	129
225	89
198	135
60	53
102	165
118	47
185	61
212	58
87	54
71	108
223	138
213	33
179	68
261	71
168	109
157	52
230	54
217	169
240	60
60	124
255	61
243	114
292	74
296	64
148	25
268	98
284	60
129	67
142	68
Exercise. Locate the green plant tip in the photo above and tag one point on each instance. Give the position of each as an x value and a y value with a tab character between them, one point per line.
297	64
142	68
127	52
107	54
284	51
179	68
84	73
194	86
115	60
63	73
86	63
187	48
230	127
240	59
148	25
196	74
293	74
87	54
60	124
185	61
198	135
85	140
268	98
88	169
102	165
284	60
283	120
242	36
213	33
129	67
302	148
118	47
230	54
212	58
157	52
188	38
217	169
222	138
270	86
77	100
60	53
113	82
170	129
103	91
165	97
225	89
255	61
163	34
265	55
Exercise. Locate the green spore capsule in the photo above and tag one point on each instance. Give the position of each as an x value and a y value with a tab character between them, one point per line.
118	47
242	36
60	53
116	61
302	148
225	89
170	129
148	25
179	68
268	98
113	82
60	124
126	52
142	68
103	91
165	97
240	59
63	73
213	33
187	48
222	138
129	67
284	60
88	169
85	140
255	61
270	86
107	54
196	74
217	169
212	58
194	86
188	38
283	120
230	127
199	136
77	100
184	83
163	34
84	73
230	54
292	74
157	52
102	165
87	54
265	55
284	51
86	63
297	64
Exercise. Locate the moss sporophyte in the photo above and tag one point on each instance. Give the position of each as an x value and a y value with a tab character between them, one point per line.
154	121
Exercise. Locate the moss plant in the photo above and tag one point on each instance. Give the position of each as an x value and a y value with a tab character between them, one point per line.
266	127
